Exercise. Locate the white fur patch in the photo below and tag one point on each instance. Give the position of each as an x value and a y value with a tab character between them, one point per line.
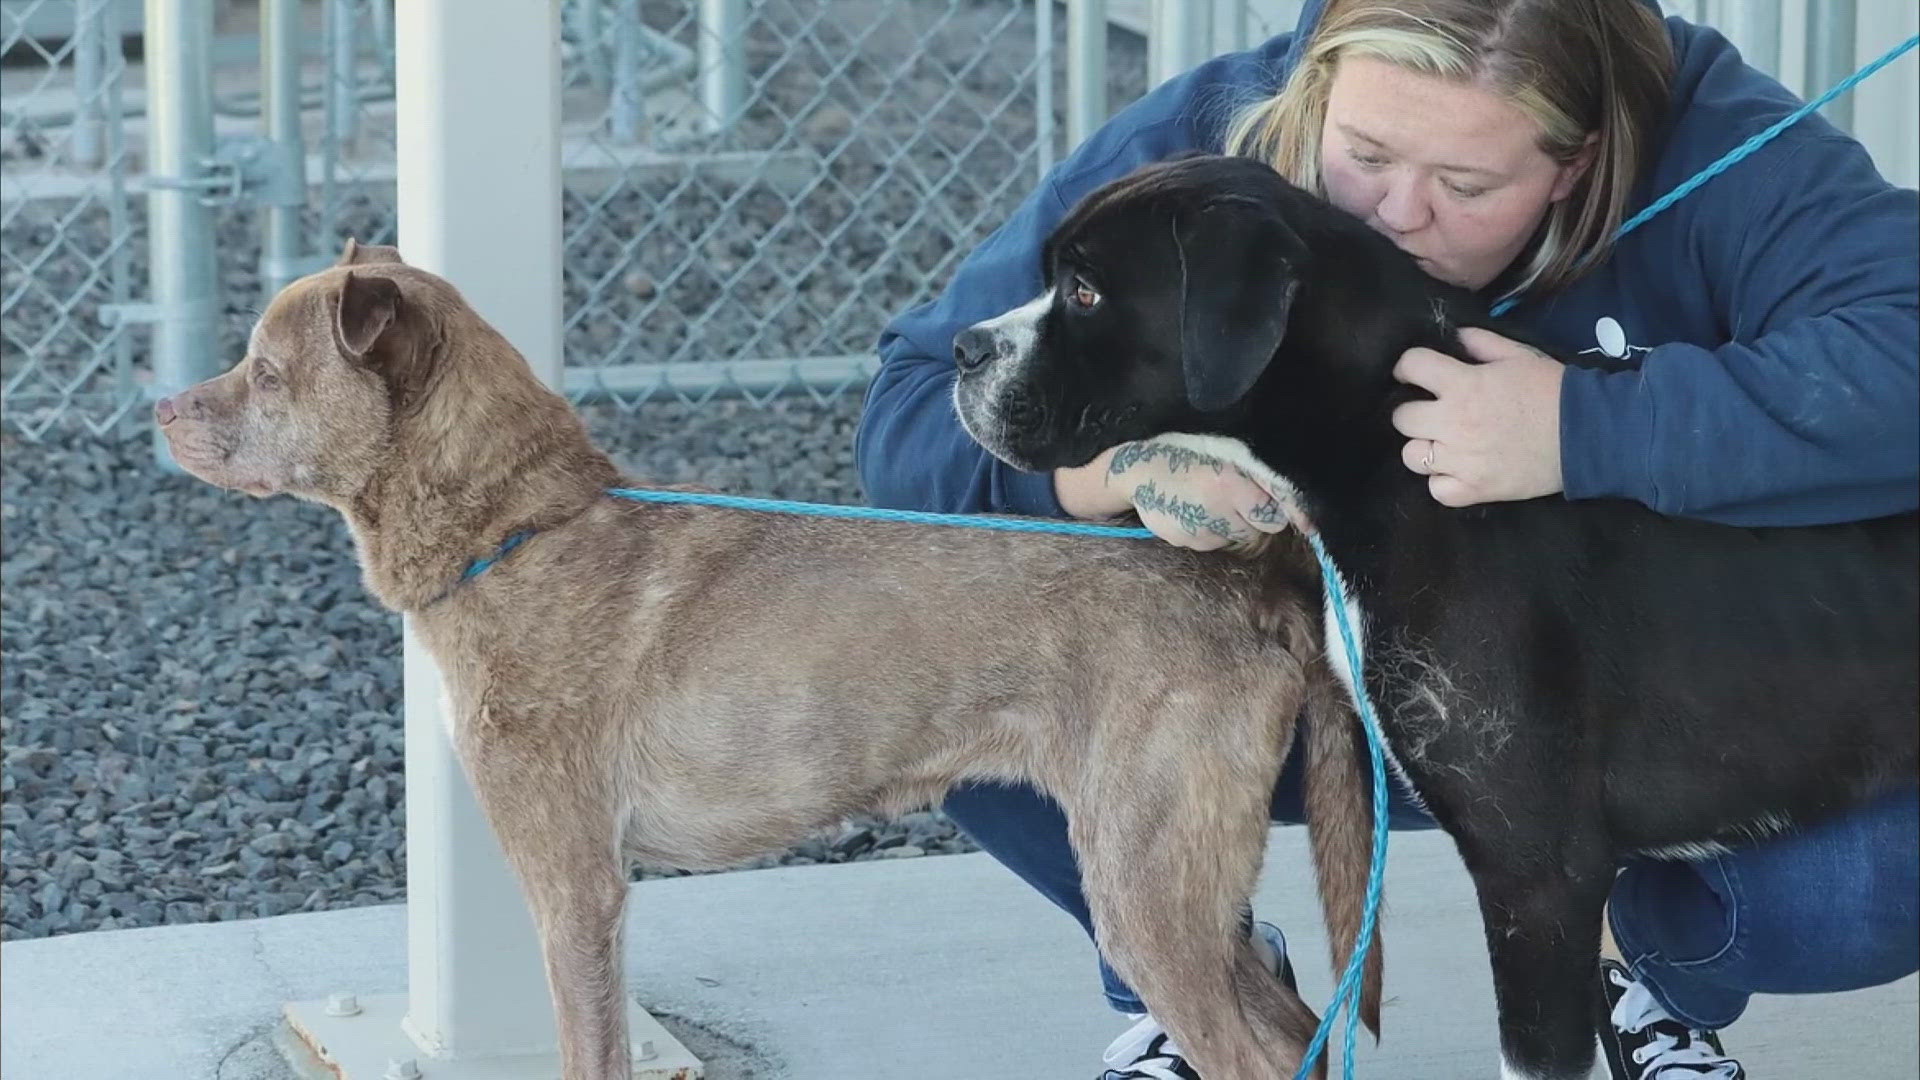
1019	329
1696	852
1765	826
1508	1072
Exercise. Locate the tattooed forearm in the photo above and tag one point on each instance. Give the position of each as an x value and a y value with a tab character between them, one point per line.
1191	516
1178	458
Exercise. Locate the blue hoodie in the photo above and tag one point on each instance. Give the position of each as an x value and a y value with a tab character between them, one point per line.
1774	314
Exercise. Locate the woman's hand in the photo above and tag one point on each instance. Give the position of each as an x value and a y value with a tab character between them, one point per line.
1184	497
1493	434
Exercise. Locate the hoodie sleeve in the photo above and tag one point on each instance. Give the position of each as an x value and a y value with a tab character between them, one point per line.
909	447
1811	412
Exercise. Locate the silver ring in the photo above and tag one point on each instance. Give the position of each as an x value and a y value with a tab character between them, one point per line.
1426	463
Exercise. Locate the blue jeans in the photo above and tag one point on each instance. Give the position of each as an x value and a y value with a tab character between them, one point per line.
1826	908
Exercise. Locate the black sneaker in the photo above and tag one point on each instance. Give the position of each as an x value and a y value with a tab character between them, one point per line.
1145	1052
1643	1043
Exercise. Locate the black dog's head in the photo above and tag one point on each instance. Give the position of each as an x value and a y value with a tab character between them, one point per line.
1167	294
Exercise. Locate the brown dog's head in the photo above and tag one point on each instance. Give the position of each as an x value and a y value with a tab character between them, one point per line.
308	410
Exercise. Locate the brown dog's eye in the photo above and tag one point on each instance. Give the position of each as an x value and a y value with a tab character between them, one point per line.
1082	294
265	379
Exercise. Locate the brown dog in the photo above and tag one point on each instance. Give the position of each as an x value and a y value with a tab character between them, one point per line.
693	686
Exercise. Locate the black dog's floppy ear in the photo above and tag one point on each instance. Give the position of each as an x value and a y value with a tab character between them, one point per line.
1238	273
367	305
359	254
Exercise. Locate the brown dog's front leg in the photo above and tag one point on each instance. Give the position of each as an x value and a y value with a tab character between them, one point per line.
579	924
563	845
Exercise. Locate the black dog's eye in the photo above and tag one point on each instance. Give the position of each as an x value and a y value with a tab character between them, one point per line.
1082	295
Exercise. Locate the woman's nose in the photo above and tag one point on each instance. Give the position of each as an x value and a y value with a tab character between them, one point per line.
1403	208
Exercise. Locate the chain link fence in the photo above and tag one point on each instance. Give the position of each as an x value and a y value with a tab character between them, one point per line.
70	238
752	187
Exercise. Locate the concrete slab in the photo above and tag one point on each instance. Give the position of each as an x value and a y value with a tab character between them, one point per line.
943	968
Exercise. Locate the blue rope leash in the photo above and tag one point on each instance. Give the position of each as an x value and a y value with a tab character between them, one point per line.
876	513
1734	156
1347	994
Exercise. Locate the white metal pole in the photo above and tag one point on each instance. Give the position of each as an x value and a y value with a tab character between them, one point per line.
477	122
477	131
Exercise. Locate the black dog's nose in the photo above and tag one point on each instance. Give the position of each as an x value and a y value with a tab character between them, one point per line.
973	347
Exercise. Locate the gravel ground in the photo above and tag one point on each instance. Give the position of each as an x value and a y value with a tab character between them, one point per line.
199	705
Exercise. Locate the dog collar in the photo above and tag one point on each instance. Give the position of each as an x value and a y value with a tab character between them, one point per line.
479	566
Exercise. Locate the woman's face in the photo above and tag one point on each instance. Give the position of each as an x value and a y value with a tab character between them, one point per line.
1451	172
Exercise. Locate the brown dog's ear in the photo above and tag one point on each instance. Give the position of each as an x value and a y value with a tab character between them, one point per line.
359	254
367	305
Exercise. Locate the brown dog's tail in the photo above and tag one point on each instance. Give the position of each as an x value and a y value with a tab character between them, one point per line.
1340	826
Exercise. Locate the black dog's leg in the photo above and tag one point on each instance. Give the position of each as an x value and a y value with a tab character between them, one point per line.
1542	917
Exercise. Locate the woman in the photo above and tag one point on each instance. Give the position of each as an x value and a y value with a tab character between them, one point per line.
1770	323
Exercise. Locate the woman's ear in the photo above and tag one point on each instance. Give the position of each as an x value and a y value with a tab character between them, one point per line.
1573	170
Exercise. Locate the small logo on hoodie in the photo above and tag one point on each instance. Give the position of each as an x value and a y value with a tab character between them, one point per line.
1612	339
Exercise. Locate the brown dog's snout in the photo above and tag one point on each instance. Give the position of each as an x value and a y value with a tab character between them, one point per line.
188	404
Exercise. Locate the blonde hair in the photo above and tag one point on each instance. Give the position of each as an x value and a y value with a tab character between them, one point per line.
1575	67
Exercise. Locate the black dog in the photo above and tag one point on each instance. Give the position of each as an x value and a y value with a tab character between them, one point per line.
1563	683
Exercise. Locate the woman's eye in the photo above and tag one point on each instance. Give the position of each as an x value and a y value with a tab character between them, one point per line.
1083	294
1367	160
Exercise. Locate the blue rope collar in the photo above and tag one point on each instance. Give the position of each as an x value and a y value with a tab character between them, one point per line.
1346	994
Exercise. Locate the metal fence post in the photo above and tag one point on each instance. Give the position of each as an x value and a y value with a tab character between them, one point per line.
1043	85
179	36
723	61
1830	57
344	58
1754	29
89	82
1086	68
625	99
1182	37
284	243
